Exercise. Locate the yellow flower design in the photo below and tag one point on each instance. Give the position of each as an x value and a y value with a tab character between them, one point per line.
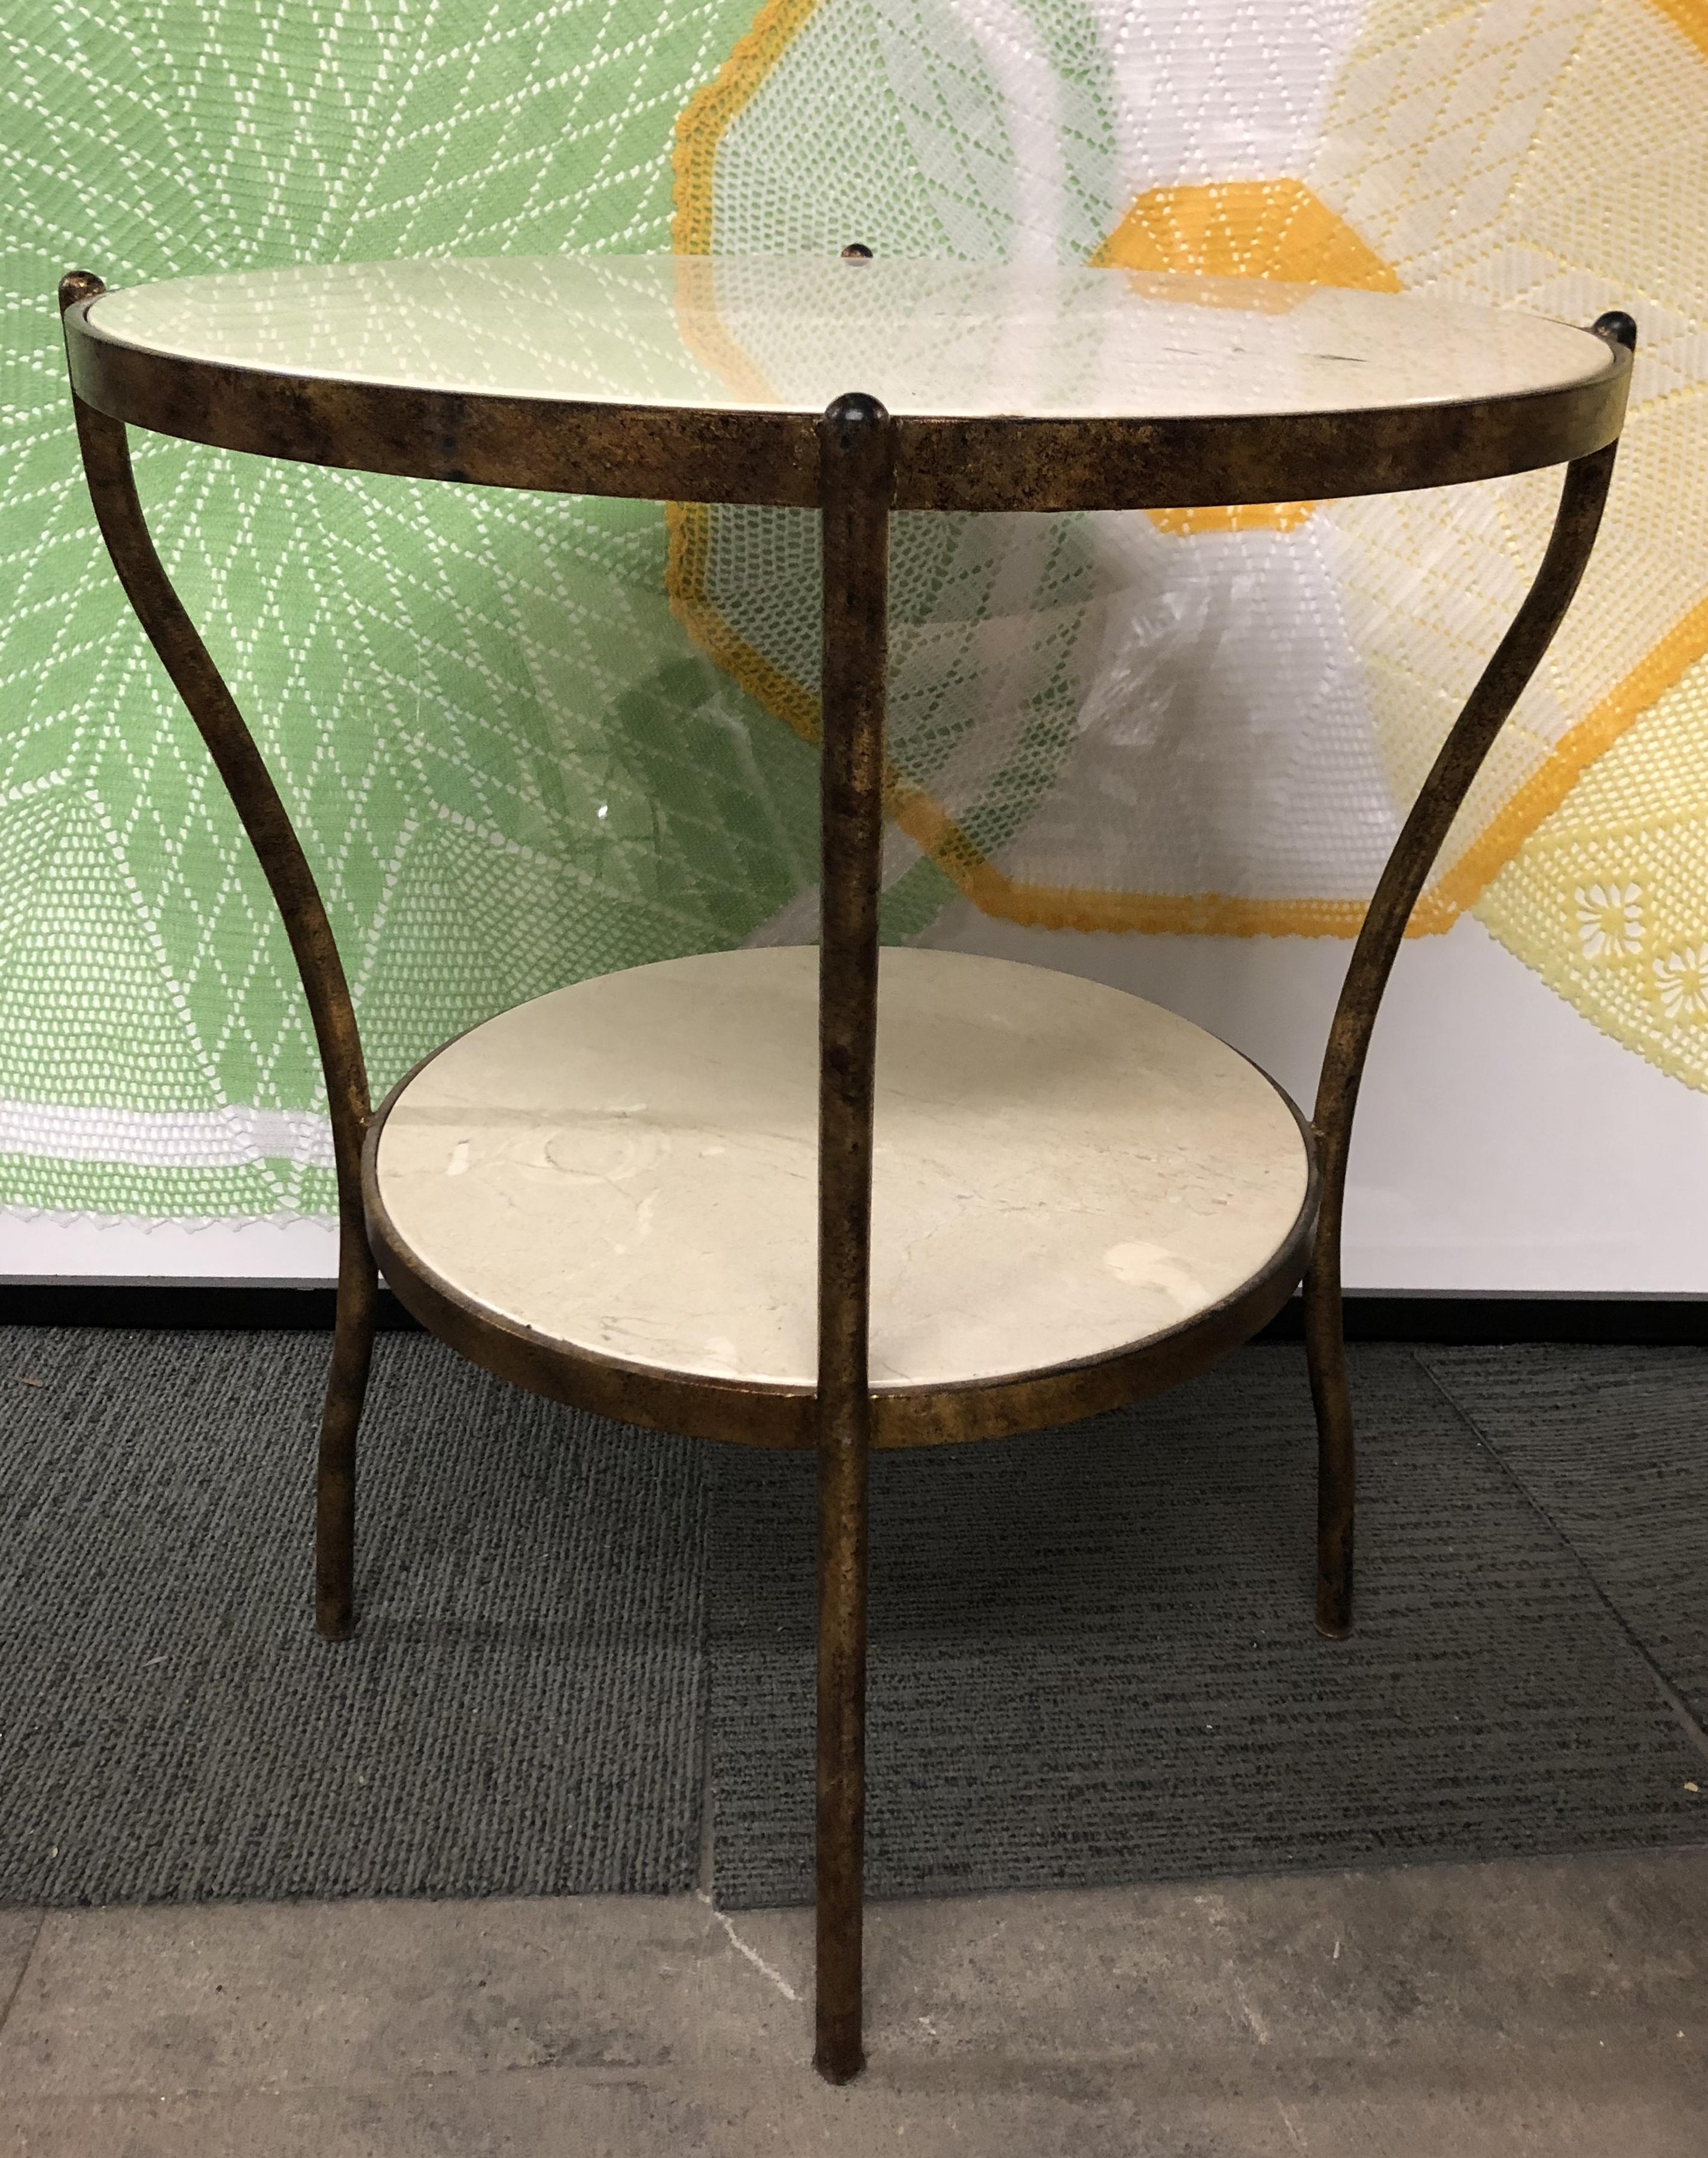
1482	150
1682	977
1609	920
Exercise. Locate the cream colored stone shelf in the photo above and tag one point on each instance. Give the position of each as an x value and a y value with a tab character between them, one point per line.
629	1167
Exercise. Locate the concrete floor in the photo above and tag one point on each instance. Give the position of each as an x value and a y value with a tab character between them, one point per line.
1529	2008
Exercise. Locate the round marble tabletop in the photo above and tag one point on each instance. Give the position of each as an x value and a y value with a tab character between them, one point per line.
787	334
629	1167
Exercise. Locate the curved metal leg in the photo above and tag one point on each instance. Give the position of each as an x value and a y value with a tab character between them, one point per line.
112	487
346	1390
856	455
1421	838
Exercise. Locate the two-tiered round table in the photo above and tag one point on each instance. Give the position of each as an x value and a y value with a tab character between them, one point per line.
809	1200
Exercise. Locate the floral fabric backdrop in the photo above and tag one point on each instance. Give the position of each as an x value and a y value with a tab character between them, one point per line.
528	739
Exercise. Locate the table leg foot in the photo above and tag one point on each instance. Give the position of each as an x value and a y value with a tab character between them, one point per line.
841	1811
838	2055
1334	1592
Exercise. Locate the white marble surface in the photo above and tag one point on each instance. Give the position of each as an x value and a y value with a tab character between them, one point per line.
790	333
630	1164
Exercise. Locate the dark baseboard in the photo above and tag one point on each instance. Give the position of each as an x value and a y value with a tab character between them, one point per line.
183	1304
1657	1319
1652	1320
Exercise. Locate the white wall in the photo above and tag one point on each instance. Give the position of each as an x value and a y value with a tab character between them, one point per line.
1501	1143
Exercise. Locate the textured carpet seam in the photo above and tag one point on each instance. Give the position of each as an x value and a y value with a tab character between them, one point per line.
1676	1701
23	1968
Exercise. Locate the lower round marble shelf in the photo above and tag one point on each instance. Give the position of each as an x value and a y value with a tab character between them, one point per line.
610	1194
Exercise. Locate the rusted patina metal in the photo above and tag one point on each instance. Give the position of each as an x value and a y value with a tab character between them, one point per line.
112	487
1519	655
665	452
857	451
1184	463
855	463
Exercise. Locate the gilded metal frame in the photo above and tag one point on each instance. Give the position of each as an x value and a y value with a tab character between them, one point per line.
855	463
668	453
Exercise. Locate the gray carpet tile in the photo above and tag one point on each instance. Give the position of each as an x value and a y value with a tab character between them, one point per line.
520	1713
1093	1658
1612	1443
